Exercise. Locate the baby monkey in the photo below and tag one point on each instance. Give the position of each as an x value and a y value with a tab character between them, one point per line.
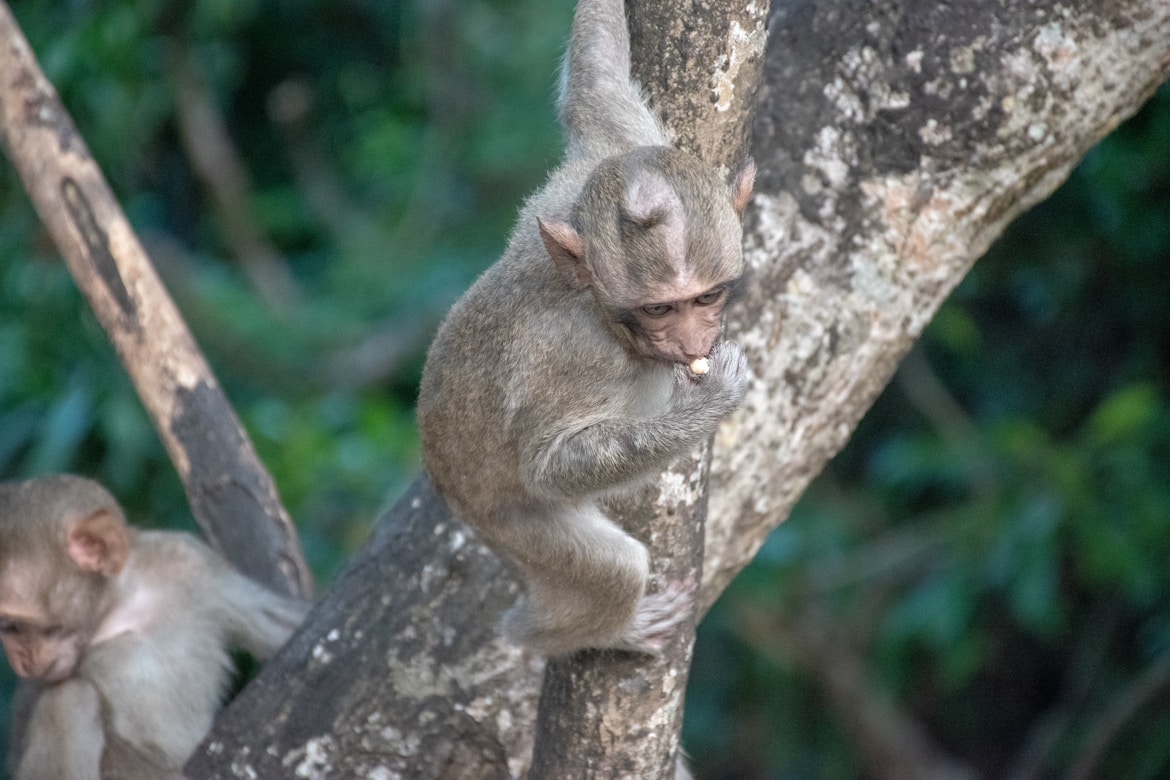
121	635
586	359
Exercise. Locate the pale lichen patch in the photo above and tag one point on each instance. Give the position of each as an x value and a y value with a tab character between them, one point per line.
743	45
312	760
673	490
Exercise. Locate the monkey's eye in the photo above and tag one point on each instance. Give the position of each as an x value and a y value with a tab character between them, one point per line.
9	627
711	297
657	309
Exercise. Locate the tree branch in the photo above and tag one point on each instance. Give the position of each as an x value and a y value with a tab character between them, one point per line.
232	496
1122	709
894	144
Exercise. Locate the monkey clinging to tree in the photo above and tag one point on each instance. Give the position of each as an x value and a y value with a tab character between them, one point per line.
121	635
585	360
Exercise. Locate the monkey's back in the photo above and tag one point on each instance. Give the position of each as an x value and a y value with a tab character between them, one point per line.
520	352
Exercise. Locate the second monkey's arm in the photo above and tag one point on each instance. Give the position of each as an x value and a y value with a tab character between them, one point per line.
64	739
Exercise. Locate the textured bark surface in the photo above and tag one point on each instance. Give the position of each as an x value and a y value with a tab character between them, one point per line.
231	494
399	673
699	63
894	144
895	141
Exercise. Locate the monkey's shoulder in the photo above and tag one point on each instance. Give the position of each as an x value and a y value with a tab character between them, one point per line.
182	555
165	570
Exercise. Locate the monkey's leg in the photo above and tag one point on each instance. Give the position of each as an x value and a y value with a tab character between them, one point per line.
586	580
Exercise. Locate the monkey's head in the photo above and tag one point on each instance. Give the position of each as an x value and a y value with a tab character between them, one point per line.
62	539
656	237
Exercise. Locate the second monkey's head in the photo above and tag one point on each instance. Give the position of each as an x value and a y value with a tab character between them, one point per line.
656	236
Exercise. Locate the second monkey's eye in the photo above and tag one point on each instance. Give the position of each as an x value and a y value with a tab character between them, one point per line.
656	309
711	297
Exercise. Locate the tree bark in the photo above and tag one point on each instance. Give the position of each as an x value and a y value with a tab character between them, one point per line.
700	64
231	494
894	142
894	146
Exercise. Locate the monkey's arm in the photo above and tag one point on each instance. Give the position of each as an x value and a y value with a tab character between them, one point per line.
64	734
243	612
255	618
265	622
610	453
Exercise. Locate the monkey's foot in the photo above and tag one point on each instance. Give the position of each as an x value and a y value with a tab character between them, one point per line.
657	617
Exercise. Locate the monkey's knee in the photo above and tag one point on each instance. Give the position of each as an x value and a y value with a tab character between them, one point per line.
588	605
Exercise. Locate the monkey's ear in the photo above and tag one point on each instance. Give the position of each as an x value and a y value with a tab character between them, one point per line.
742	189
99	542
567	252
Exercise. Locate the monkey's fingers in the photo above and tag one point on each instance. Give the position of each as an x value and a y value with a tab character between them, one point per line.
727	359
683	375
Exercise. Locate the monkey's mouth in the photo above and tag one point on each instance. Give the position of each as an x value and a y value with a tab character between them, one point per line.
663	354
57	670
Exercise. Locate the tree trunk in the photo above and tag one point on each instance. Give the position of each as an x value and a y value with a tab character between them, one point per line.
894	142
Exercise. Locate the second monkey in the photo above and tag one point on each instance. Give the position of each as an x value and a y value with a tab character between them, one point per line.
561	377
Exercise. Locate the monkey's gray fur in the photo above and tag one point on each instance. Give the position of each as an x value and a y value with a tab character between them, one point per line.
541	394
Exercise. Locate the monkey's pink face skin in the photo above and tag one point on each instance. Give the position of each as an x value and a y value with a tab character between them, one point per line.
48	653
683	329
37	644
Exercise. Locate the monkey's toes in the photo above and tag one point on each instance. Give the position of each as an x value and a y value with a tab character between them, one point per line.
658	616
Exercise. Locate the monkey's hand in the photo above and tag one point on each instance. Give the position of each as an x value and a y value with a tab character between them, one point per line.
721	390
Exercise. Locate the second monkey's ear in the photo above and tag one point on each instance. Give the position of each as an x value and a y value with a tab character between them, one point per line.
741	191
99	542
565	248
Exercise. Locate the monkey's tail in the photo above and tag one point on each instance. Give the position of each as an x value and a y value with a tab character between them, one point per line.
602	110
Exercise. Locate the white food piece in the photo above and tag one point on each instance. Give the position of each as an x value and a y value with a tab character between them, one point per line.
700	366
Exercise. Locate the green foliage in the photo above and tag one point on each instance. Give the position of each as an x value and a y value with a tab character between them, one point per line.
394	185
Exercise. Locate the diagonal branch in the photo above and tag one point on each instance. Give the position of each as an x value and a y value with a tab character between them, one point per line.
232	496
217	164
895	745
